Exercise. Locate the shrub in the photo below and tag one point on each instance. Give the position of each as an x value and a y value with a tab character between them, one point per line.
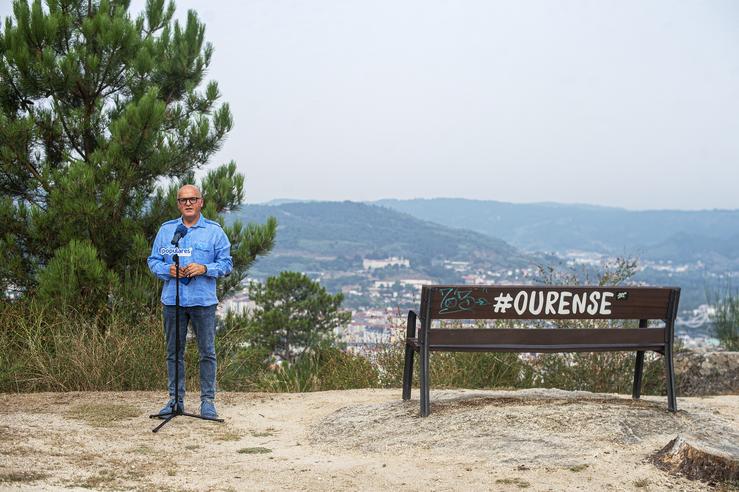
725	318
599	372
326	368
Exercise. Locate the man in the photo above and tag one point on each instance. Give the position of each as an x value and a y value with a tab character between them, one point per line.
210	258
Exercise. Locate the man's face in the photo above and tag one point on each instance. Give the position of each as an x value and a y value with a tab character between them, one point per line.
189	203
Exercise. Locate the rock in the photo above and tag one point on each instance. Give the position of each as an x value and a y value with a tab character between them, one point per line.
707	373
699	460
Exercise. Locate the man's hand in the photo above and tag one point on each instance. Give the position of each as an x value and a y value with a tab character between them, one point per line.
193	270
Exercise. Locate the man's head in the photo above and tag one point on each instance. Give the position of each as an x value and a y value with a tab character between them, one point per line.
189	202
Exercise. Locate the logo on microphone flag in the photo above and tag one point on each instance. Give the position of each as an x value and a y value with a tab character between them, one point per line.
171	250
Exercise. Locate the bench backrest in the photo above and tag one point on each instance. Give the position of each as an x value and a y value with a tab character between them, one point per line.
439	302
547	302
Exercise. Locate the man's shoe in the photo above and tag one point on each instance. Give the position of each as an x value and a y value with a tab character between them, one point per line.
166	410
208	409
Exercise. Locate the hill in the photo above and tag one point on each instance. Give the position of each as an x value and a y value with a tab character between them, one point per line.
334	236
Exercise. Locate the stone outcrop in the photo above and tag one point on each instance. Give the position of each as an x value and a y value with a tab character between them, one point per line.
707	373
532	427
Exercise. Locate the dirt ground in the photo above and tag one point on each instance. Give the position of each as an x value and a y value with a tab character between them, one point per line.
354	440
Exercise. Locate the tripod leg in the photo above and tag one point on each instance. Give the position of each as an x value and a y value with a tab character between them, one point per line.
156	429
212	419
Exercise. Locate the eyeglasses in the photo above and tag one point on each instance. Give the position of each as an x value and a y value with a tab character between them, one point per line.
188	201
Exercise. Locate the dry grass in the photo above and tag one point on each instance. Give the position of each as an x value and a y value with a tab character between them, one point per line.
518	482
15	477
70	352
254	450
104	479
45	351
143	450
103	414
265	433
732	486
18	451
228	435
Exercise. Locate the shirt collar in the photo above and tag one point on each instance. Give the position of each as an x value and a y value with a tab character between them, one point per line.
199	223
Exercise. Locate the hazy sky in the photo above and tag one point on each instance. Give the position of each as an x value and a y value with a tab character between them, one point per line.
625	103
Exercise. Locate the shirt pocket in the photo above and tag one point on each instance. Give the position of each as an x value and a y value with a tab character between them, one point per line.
202	253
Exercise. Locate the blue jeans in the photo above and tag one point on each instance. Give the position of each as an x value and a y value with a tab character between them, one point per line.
203	320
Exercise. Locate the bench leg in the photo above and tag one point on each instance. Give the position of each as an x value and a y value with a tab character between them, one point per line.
408	372
409	353
670	374
425	404
425	373
638	370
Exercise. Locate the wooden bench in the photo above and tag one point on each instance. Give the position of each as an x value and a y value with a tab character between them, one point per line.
476	302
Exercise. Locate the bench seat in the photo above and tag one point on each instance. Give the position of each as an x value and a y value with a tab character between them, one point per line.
537	340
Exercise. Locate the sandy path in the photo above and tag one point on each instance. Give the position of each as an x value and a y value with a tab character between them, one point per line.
343	440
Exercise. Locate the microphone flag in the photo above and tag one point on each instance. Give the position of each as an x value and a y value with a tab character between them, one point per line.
179	234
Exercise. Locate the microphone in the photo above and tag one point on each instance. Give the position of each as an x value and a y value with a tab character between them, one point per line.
179	234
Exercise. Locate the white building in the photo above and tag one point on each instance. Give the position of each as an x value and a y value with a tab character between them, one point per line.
369	264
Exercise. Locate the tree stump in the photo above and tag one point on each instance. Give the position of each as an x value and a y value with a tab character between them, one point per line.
699	460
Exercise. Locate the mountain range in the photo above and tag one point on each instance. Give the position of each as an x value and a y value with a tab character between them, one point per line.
684	236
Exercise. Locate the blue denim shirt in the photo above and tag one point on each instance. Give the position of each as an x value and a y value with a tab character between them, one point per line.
210	247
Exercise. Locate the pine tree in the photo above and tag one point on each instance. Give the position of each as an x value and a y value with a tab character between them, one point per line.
97	109
294	314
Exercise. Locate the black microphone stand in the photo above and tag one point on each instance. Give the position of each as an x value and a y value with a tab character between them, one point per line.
175	409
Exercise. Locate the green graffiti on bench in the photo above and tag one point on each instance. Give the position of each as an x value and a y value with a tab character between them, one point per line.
457	301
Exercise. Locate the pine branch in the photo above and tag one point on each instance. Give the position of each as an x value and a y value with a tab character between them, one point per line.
22	99
32	169
72	141
101	84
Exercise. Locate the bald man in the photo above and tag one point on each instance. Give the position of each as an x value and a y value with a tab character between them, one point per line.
207	256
